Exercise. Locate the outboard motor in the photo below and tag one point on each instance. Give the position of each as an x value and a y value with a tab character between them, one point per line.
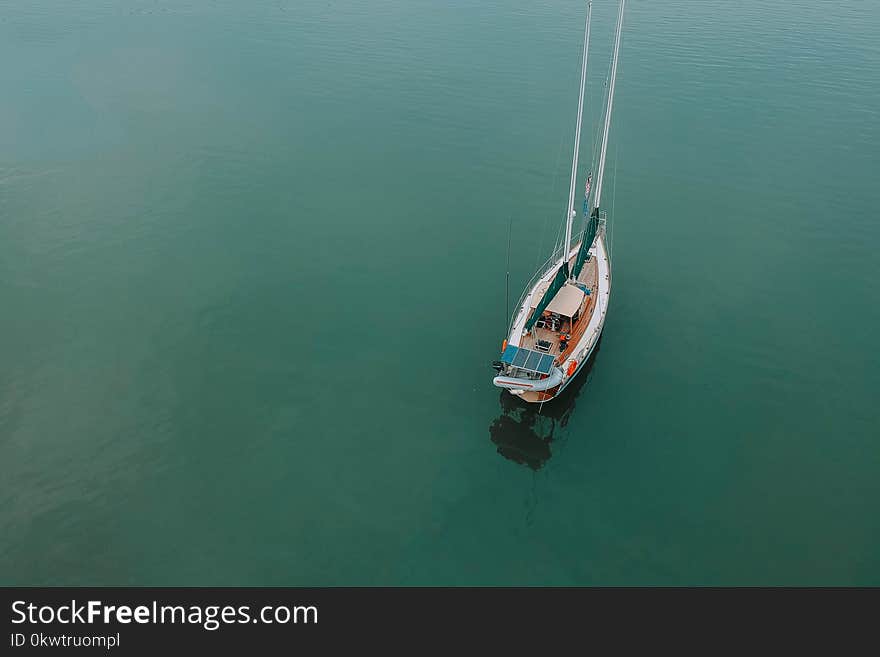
497	365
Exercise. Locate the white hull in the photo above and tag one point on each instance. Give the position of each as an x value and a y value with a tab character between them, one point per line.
584	349
579	352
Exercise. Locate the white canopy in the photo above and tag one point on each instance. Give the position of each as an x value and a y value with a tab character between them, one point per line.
567	301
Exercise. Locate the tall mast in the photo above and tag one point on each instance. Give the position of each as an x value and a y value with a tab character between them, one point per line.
577	136
601	173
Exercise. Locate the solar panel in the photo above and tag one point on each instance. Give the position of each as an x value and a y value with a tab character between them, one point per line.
546	364
527	359
509	353
533	360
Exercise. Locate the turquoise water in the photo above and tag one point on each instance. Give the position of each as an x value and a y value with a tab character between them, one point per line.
252	264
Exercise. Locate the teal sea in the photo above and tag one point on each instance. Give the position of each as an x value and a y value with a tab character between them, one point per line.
252	273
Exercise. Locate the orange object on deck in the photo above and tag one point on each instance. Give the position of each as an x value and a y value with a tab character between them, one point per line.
504	346
572	366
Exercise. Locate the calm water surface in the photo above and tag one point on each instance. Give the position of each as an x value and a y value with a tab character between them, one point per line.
252	278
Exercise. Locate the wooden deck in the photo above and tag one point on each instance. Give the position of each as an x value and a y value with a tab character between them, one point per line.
589	276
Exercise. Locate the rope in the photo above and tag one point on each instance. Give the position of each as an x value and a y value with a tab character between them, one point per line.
553	193
613	197
507	279
617	34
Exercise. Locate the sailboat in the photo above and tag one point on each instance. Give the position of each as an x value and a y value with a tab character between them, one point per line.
560	316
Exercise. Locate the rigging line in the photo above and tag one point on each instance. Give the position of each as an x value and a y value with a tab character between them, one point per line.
613	198
594	155
600	118
553	193
598	124
569	216
559	153
597	128
614	185
595	162
507	281
601	172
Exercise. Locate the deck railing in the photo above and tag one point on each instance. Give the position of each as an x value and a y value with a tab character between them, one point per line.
545	268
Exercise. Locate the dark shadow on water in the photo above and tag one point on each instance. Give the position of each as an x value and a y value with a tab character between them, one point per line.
524	432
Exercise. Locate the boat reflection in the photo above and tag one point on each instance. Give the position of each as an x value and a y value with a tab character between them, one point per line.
524	432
